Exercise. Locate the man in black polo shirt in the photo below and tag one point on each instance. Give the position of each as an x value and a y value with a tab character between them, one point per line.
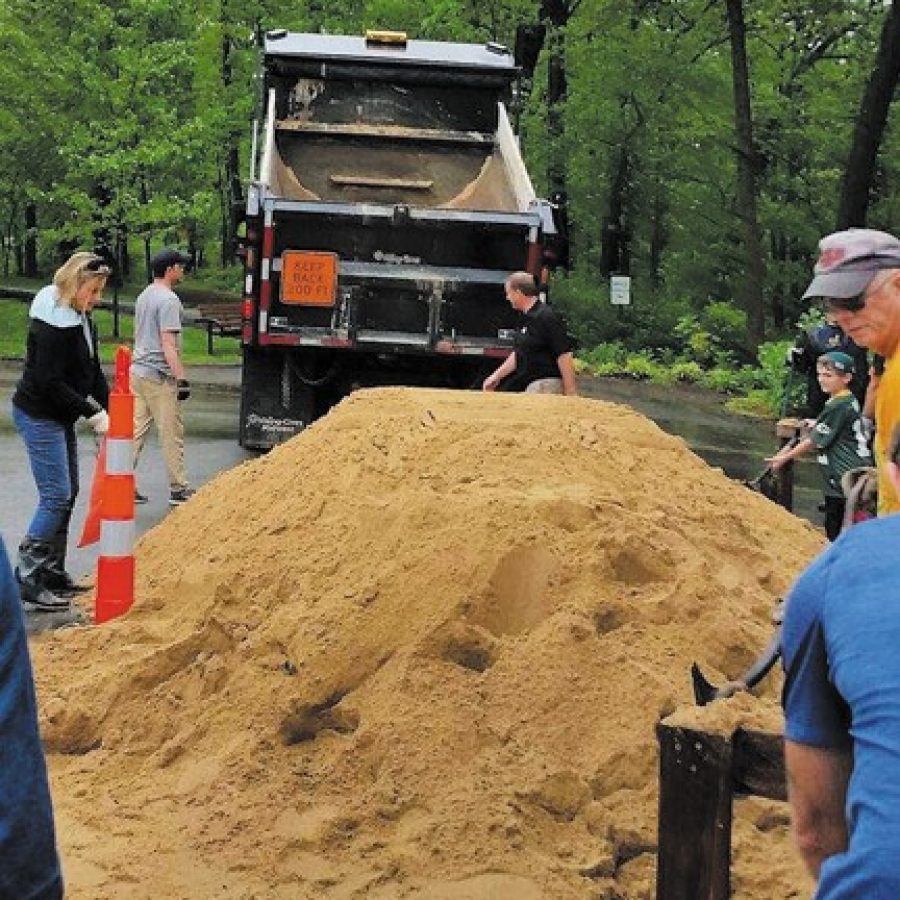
541	361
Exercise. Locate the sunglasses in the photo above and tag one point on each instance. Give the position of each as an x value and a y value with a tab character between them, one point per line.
98	266
852	304
845	304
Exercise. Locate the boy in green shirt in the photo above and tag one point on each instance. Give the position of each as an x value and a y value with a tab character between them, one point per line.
838	435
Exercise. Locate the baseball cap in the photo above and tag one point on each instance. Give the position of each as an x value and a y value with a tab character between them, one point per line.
161	261
849	260
840	362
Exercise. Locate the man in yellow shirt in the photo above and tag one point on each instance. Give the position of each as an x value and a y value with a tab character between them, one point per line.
857	277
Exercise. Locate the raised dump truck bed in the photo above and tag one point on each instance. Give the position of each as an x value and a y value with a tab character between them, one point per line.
391	202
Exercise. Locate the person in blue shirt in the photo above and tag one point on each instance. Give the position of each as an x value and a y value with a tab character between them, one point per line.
29	865
841	704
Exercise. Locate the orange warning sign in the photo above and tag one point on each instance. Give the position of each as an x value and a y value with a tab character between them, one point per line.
308	278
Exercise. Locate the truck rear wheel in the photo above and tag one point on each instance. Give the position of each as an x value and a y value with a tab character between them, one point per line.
275	403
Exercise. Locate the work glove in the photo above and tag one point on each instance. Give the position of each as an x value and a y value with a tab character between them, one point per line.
184	389
99	421
867	425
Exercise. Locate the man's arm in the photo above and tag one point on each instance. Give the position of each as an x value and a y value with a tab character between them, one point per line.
507	367
817	790
169	341
567	371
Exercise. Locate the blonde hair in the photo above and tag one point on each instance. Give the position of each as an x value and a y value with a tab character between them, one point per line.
79	268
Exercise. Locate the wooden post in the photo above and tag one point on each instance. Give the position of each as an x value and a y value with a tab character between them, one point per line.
694	856
698	775
758	764
786	430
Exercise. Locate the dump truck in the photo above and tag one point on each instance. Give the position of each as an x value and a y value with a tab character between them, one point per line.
387	205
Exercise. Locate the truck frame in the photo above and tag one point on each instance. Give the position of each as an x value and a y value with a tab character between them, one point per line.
388	204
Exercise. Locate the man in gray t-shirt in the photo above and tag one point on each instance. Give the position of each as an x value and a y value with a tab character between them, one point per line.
157	374
158	310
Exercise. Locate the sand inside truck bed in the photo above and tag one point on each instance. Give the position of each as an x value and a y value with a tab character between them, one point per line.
419	651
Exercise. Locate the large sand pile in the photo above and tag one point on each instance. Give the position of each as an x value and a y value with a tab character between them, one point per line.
419	651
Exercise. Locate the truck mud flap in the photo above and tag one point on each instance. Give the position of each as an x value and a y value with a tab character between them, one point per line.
275	404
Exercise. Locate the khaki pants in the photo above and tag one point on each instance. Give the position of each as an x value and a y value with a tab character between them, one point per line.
157	401
545	386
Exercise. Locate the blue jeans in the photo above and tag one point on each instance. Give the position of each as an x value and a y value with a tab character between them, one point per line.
53	453
28	862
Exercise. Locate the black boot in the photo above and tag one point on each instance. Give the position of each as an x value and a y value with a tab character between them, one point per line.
55	577
31	567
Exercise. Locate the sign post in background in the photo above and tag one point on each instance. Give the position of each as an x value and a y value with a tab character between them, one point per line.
620	290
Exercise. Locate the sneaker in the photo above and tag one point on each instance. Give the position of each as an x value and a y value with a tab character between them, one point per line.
180	495
139	497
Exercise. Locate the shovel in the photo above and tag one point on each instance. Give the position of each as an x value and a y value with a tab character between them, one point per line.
757	482
705	691
768	483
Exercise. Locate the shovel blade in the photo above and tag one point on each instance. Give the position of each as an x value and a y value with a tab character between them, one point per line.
704	691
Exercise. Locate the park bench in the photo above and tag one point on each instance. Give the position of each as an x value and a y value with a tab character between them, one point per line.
222	318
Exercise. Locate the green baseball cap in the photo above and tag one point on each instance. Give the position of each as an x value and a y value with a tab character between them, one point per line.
840	362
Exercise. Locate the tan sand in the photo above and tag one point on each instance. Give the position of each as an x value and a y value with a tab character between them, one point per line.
419	651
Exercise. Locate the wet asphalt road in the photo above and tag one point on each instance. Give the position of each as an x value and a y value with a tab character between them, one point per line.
211	418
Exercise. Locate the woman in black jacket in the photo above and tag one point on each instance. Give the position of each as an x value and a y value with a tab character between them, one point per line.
62	381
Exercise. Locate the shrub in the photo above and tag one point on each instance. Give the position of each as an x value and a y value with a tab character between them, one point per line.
640	366
612	352
686	371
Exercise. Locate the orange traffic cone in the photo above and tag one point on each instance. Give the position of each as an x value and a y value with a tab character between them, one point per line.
115	565
90	531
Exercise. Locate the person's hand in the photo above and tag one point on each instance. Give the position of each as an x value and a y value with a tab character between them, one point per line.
99	421
867	424
490	383
184	389
776	462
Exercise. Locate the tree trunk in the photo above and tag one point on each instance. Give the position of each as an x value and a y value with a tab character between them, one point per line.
530	41
232	180
659	232
29	255
751	284
9	234
779	256
124	257
859	174
615	239
145	198
556	104
556	13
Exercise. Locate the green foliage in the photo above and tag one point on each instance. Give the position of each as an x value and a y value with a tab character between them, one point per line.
130	121
612	354
688	372
13	322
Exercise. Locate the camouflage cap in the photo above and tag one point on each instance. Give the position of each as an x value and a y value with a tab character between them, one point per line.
849	260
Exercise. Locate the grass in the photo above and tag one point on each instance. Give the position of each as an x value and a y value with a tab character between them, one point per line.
14	324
